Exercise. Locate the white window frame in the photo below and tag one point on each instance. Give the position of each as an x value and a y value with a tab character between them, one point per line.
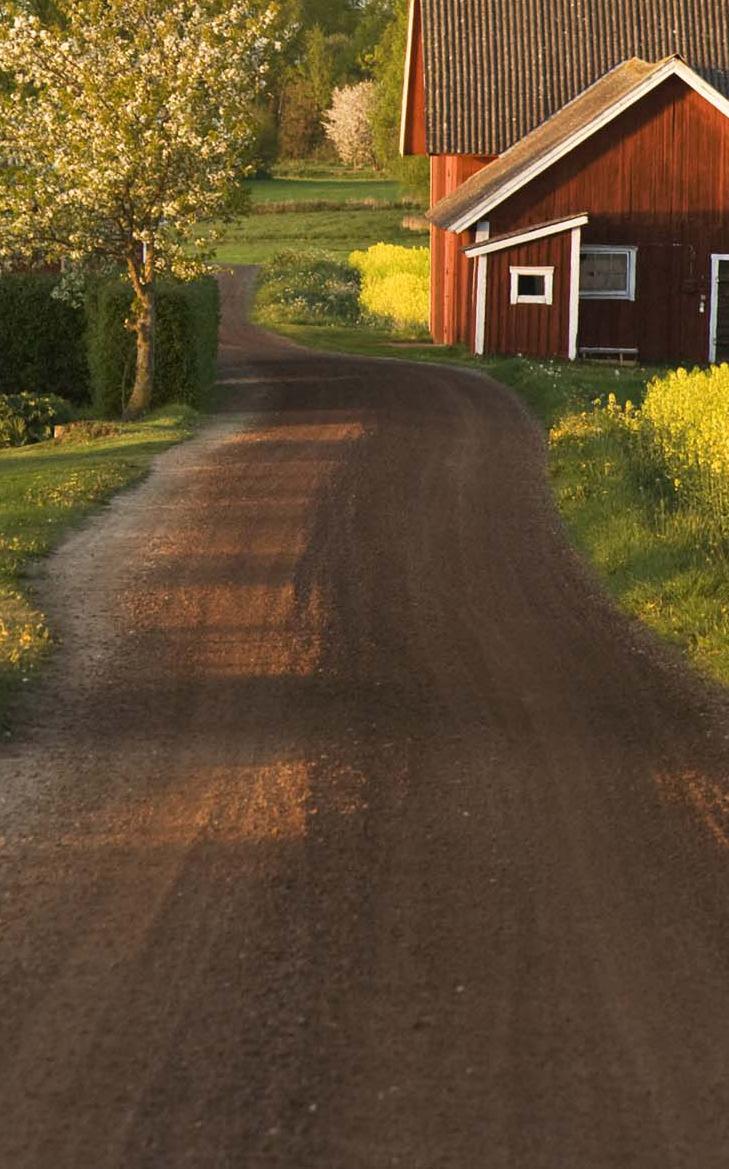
547	273
624	250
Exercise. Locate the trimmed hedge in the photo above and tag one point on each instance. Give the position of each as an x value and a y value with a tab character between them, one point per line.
186	343
49	346
42	342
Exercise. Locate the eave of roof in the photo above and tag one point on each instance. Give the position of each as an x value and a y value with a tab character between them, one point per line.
535	231
609	97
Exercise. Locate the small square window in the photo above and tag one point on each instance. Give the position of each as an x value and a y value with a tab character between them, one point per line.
528	285
607	273
532	285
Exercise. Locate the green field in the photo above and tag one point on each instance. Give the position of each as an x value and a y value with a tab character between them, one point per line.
320	212
337	233
325	190
44	490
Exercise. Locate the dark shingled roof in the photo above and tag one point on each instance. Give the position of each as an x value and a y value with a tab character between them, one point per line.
486	184
495	69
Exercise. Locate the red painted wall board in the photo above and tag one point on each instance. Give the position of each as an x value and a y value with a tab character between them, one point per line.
537	330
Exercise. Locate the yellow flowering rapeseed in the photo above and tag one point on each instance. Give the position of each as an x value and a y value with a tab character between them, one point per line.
395	283
689	415
681	431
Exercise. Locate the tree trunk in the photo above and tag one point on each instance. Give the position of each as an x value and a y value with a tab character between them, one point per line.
143	324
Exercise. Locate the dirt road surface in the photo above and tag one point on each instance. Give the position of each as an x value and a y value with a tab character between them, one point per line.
352	828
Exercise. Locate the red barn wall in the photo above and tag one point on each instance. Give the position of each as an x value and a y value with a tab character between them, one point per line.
540	330
452	273
657	177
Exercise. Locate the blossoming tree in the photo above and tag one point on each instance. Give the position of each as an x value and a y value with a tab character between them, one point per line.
125	125
348	124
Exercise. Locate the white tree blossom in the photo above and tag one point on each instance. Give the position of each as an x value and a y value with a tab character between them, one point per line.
122	129
348	124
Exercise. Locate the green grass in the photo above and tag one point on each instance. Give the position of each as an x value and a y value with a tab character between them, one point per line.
372	342
661	562
323	190
308	168
44	490
336	233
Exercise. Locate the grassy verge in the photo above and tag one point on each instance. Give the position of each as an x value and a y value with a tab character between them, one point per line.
44	490
660	561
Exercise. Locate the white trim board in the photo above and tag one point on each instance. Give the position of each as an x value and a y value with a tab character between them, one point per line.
716	259
526	236
406	78
574	324
482	233
672	68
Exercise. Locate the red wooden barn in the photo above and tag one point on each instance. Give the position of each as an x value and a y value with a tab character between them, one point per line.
580	195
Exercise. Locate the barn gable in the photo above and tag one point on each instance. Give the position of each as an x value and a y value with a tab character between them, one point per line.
606	100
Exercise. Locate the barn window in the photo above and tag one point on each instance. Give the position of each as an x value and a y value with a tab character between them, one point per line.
532	285
607	273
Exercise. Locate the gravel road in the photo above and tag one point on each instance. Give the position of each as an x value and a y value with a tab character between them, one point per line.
352	827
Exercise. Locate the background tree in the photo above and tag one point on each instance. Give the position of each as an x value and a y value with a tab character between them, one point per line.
299	128
388	70
375	17
127	125
333	46
308	89
331	16
348	123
